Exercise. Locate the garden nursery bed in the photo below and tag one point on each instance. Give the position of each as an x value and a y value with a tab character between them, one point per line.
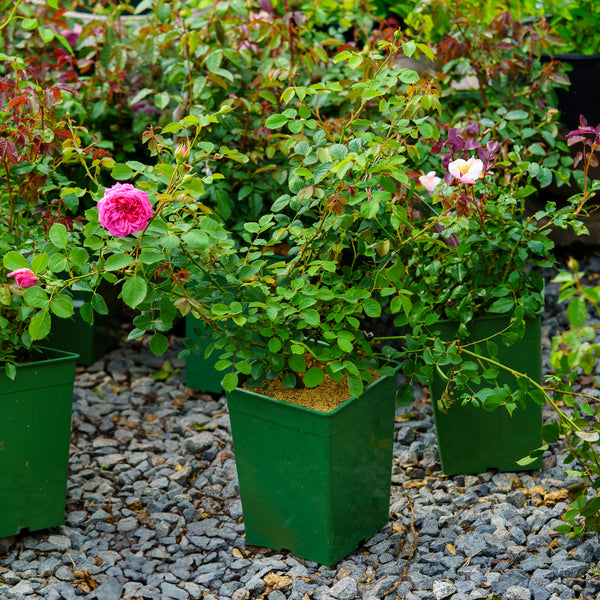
153	508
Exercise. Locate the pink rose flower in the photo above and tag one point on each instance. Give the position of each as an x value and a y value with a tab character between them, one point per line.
124	210
24	277
430	181
466	171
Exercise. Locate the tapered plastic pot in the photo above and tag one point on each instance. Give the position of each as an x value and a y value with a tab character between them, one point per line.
472	439
313	483
35	431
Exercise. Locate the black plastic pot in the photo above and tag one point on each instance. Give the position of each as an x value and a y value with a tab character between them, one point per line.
581	98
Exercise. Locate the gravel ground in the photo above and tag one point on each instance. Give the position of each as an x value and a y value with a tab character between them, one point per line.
153	510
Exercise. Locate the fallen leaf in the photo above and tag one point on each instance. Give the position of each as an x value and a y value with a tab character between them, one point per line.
277	582
536	489
415	484
451	549
397	528
556	496
237	553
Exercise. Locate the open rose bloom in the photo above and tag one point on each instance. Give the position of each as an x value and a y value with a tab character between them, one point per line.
24	277
124	210
466	171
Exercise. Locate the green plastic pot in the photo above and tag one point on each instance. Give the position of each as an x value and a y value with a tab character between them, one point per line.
473	440
200	372
316	484
35	431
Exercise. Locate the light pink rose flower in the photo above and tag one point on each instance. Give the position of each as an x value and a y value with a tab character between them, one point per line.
124	210
467	171
430	181
24	277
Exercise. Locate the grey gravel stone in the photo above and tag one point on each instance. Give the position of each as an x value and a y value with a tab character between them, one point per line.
199	442
443	589
344	589
569	568
109	589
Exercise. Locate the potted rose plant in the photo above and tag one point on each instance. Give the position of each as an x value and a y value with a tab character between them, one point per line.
478	297
282	329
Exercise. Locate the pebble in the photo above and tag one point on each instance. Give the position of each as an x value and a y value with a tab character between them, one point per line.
154	511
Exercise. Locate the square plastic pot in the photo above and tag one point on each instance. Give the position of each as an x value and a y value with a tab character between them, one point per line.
35	431
316	484
473	440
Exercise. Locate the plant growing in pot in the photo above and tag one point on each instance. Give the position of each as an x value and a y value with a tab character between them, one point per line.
314	479
36	387
478	297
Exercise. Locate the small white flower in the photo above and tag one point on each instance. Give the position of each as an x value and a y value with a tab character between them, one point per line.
430	181
467	171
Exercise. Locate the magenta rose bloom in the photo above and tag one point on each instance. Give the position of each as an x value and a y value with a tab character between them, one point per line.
24	277
124	209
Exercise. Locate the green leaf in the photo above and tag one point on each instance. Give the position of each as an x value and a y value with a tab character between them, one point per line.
121	172
116	262
58	263
39	326
409	48
355	385
149	257
297	363
321	171
345	345
371	307
196	239
99	304
134	291
35	296
62	306
58	235
338	151
551	432
276	121
158	343
502	305
13	260
312	317
274	345
40	262
577	312
78	256
313	377
47	35
230	382
516	115
405	395
162	100
408	76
